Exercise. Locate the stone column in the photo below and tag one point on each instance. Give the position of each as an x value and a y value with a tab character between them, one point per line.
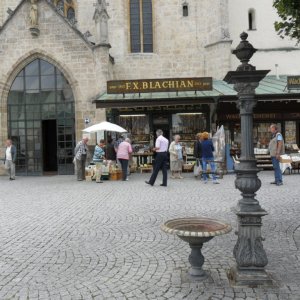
249	253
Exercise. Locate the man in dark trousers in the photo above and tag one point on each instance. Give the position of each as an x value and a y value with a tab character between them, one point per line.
161	149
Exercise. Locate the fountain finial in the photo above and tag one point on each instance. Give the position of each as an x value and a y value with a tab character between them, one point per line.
244	51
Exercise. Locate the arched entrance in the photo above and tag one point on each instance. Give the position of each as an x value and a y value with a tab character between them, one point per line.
41	120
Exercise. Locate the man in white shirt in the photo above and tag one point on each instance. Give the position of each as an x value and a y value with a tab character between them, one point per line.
161	148
10	159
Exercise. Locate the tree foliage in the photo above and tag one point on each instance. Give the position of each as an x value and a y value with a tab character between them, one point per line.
289	12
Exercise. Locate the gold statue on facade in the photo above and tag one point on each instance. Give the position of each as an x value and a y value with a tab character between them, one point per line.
33	18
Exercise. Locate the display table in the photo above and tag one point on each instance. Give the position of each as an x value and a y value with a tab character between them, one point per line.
146	169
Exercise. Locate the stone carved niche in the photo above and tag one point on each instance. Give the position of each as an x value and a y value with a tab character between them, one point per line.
101	19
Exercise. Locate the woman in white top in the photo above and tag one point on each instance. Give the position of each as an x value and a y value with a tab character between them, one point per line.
176	157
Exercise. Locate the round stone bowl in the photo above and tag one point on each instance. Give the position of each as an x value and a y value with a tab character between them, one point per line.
196	231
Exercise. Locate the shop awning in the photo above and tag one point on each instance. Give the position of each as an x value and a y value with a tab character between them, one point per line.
270	88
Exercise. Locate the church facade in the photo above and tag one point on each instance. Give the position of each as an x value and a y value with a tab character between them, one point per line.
57	56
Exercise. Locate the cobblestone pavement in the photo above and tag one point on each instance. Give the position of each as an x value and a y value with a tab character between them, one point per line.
63	239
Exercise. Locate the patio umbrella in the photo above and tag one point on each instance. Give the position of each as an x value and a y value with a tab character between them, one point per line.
104	126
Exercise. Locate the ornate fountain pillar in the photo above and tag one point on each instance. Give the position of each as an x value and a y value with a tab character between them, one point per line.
249	253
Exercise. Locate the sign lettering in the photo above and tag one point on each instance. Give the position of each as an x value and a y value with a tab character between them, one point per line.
159	85
261	116
293	82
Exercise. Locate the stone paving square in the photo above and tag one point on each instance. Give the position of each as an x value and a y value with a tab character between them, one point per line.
63	239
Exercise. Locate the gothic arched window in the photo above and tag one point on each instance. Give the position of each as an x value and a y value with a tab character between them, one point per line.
141	31
71	15
67	8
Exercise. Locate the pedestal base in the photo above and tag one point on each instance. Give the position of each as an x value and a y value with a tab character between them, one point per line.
35	32
198	272
249	277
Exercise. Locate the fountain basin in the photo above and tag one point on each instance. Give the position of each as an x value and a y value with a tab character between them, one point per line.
196	232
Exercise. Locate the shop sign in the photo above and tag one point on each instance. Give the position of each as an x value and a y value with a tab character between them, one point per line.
293	82
257	116
159	85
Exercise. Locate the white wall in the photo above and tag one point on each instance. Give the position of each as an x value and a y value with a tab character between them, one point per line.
264	38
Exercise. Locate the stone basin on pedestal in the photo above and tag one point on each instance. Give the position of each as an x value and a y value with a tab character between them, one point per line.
196	232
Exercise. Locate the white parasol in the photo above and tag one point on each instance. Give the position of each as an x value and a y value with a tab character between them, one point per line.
104	126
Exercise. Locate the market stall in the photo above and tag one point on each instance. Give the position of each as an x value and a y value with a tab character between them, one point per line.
106	169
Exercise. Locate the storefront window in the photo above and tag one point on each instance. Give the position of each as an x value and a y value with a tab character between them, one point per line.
262	135
187	125
290	133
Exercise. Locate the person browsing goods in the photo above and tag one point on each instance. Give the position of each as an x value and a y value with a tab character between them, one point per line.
276	148
161	149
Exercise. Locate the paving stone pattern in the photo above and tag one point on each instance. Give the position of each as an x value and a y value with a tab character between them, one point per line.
63	239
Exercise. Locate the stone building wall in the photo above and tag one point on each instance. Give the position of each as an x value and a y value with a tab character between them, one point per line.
4	5
60	45
179	42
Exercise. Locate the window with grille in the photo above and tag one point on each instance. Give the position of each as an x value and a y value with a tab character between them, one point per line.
141	27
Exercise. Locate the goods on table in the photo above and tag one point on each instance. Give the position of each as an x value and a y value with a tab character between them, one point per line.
115	173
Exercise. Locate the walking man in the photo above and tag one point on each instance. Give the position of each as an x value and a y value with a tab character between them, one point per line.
276	148
81	150
161	148
10	159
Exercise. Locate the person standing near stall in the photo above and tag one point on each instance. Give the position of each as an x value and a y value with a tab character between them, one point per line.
161	159
208	157
110	151
81	151
123	155
99	153
198	154
276	148
176	158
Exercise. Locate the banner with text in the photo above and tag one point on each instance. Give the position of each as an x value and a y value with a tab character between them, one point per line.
159	85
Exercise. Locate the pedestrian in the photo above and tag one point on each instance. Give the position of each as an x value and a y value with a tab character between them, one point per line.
198	147
110	152
176	157
208	157
276	148
161	159
81	151
123	155
198	154
99	152
10	159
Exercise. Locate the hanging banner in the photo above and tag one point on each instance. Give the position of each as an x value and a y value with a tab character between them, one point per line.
159	85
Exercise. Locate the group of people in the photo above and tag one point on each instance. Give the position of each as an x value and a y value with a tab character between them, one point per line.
113	151
121	151
203	152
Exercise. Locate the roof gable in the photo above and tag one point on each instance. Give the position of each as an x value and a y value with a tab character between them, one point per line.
51	6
